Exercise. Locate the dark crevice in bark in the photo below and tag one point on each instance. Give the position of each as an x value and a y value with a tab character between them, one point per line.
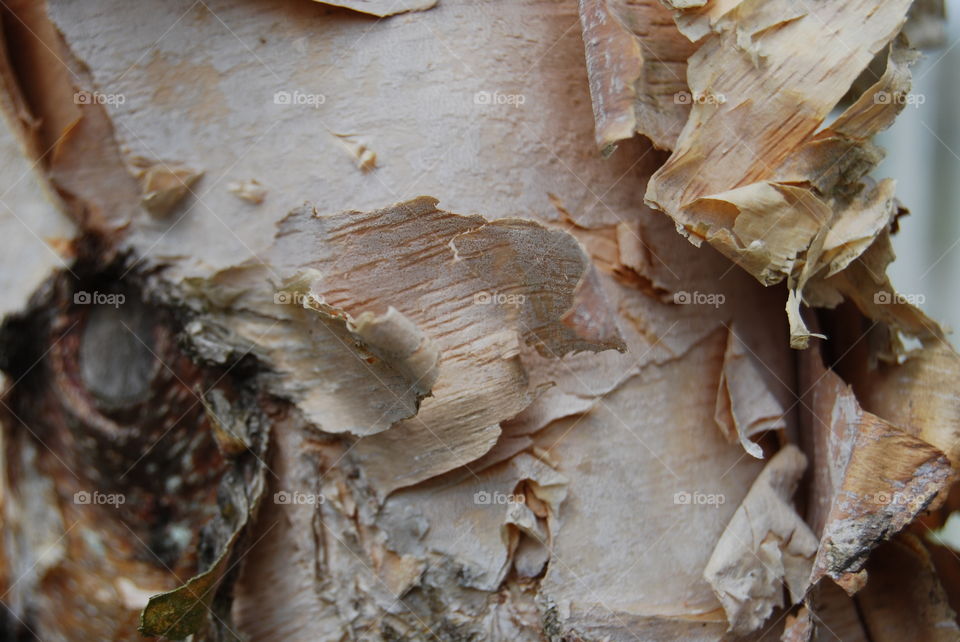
101	401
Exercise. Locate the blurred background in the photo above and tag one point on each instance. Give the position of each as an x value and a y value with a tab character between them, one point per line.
923	155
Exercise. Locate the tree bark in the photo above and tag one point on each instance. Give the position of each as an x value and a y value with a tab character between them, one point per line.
505	321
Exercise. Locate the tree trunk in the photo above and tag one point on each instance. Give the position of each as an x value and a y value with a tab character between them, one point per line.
410	320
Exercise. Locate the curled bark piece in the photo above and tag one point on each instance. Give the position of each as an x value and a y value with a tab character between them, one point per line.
866	284
780	198
242	313
765	547
364	157
697	19
181	612
928	378
165	186
424	522
745	404
249	190
394	338
194	607
637	66
474	290
870	478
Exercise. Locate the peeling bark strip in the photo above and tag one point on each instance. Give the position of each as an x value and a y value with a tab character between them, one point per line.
746	405
637	64
194	608
358	343
226	414
870	478
765	547
752	175
928	378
